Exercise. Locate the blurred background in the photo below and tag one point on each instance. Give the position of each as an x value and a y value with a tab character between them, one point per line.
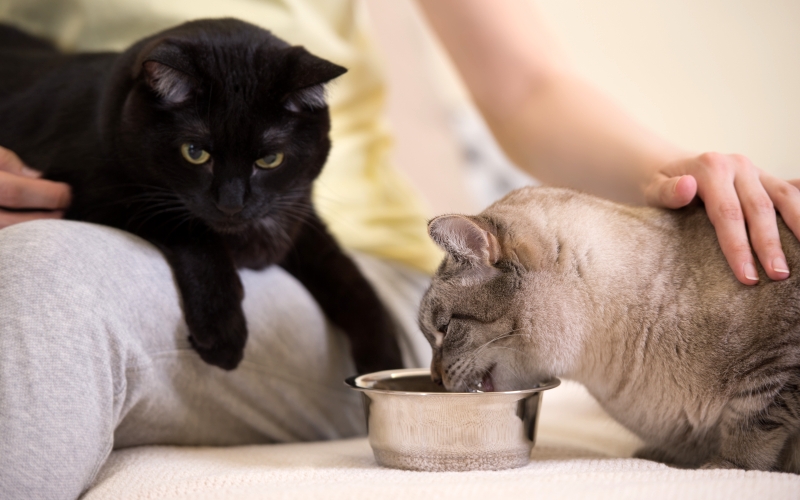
710	75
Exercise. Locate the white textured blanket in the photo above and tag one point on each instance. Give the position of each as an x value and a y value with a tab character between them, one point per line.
580	453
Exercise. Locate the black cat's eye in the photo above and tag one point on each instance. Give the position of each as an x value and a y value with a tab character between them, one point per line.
272	160
194	154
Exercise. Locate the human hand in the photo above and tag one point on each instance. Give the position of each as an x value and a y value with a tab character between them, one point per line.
736	194
21	188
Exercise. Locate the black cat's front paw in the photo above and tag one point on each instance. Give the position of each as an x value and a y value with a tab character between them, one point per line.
220	341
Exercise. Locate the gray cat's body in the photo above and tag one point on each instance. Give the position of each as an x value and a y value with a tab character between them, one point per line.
640	306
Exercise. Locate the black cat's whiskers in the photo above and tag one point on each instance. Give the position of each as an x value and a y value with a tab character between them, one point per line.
149	200
182	218
149	212
140	203
292	214
296	207
147	191
333	212
153	204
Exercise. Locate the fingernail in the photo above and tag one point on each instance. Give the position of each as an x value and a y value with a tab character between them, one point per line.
750	271
779	265
675	186
29	172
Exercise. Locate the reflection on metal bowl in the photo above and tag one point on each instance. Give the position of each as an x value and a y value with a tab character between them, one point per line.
415	424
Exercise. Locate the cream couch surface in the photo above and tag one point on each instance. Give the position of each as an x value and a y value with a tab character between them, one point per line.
580	453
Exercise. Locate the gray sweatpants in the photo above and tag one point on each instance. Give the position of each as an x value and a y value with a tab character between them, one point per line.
94	356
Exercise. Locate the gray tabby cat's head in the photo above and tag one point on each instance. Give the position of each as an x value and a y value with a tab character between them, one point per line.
469	313
500	313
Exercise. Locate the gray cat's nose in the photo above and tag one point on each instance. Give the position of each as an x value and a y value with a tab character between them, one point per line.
229	209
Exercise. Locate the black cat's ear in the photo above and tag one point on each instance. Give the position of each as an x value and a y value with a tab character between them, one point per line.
465	239
308	76
166	71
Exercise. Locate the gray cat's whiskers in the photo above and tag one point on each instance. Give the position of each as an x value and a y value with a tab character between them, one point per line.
481	348
464	364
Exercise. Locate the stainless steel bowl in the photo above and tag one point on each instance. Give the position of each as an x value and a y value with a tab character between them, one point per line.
415	424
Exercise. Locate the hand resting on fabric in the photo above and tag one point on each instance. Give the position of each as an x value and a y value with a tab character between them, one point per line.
24	196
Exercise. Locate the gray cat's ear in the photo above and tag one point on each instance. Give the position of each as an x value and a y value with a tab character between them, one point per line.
164	69
465	239
309	76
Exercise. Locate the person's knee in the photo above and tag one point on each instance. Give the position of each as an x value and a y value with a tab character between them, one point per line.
60	368
60	276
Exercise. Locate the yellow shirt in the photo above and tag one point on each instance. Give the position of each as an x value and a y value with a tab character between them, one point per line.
366	203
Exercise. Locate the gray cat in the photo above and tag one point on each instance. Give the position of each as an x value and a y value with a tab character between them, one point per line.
640	306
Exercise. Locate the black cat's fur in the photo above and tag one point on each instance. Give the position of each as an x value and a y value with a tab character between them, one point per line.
112	126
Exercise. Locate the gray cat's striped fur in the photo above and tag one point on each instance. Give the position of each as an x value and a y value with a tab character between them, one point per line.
640	306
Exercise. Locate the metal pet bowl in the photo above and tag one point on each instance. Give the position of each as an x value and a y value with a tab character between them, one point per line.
415	424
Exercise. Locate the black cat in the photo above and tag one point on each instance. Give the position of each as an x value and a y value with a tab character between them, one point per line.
203	139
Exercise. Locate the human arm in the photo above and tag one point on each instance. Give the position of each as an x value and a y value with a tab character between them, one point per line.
563	131
22	189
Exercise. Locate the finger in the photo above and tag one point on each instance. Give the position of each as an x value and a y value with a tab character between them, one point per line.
22	192
759	214
725	213
671	192
682	192
10	162
11	218
786	197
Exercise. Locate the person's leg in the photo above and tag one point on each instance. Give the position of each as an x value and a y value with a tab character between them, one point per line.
93	355
289	386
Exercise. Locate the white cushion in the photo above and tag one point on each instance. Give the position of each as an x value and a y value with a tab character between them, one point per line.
580	453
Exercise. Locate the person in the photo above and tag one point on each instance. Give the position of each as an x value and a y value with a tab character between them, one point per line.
93	349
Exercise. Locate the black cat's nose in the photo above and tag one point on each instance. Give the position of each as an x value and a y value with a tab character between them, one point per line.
229	209
230	196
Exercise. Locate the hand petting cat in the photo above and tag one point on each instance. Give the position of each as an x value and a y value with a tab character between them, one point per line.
564	132
21	189
736	194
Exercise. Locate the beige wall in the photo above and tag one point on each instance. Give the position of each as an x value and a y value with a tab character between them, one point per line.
719	75
418	104
709	74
